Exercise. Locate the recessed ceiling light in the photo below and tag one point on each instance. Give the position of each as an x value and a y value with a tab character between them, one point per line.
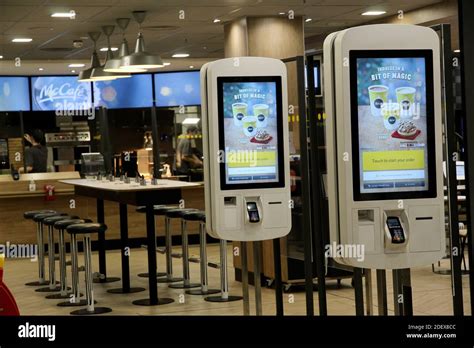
457	51
76	65
1	57
70	14
373	13
216	20
180	55
22	39
40	69
191	120
166	63
73	71
307	20
191	67
282	13
105	49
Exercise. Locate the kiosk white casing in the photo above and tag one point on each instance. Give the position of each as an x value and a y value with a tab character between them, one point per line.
363	222
226	215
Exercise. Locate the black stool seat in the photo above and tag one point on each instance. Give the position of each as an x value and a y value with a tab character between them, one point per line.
50	221
195	216
86	228
178	212
41	217
30	214
157	209
62	224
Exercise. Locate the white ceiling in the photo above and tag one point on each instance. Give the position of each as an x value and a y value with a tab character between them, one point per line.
165	33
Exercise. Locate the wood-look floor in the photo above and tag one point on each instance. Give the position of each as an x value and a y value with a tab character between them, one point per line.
431	292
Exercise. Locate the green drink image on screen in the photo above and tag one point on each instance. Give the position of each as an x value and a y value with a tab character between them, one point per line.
239	111
378	95
406	99
250	125
261	111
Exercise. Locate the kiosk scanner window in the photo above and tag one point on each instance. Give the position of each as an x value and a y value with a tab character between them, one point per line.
250	132
392	124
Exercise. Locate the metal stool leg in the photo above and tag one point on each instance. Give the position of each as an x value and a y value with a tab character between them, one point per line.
203	265
62	270
185	250
39	239
90	309
169	259
224	296
75	298
52	262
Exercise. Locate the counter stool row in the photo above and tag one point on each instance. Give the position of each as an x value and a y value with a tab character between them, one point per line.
74	226
185	215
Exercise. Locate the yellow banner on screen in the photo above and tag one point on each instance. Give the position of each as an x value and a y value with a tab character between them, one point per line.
250	158
393	160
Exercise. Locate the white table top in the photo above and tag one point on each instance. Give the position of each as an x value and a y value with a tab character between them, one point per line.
118	185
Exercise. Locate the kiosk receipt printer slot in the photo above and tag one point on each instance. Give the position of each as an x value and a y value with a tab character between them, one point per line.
384	145
246	151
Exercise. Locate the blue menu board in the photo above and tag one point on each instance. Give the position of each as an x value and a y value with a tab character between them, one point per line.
177	88
60	93
132	92
14	94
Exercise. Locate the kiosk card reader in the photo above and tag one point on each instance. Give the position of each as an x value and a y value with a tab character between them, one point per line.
384	145
246	151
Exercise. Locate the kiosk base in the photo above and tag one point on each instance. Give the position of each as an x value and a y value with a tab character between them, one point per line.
147	302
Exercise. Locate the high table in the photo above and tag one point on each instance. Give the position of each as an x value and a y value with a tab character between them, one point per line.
164	192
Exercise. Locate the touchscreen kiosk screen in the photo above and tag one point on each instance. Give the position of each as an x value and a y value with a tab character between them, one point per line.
392	123
250	126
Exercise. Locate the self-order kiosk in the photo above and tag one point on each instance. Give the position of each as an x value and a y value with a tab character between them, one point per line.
384	145
245	141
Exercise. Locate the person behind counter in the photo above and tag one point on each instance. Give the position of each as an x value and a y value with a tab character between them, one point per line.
187	155
36	156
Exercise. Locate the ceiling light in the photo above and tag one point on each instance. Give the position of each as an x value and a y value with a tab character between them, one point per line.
457	51
22	39
113	65
180	55
166	63
99	73
191	67
86	75
76	65
282	13
141	59
307	20
70	14
73	71
1	57
217	20
105	49
373	13
40	69
191	120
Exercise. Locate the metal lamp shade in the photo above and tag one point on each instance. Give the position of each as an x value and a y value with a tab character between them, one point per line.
85	75
141	59
113	65
98	74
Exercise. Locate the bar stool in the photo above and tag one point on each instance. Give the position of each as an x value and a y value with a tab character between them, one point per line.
179	213
200	216
39	218
29	215
50	221
61	226
142	209
86	229
224	296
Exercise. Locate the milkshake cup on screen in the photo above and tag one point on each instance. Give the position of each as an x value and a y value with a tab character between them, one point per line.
261	112
378	95
239	111
249	125
406	99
